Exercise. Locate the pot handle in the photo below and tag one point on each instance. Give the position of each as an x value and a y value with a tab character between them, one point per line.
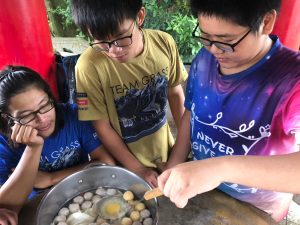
94	164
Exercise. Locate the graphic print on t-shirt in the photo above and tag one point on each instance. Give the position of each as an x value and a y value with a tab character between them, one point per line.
227	140
66	159
253	112
142	112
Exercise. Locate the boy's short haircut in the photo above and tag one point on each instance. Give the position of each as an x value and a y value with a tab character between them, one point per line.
247	13
100	19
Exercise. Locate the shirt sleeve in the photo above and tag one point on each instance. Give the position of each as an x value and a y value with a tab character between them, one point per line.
90	95
88	137
9	159
190	84
177	73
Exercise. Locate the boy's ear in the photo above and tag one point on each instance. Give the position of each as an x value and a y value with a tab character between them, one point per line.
141	17
269	21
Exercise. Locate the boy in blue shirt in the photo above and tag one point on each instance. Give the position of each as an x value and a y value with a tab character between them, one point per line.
242	119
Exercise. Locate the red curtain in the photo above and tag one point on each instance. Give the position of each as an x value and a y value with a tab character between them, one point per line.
25	38
287	26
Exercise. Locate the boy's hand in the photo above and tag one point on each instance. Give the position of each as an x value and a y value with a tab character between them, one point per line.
8	217
148	174
161	167
186	180
26	135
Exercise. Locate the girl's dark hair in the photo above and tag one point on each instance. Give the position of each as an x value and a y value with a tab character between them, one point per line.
247	13
101	18
18	79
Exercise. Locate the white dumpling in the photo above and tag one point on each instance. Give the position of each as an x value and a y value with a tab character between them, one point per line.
62	223
137	223
88	196
79	199
80	218
111	191
64	211
60	218
86	205
101	191
148	221
92	212
100	220
74	207
145	213
96	198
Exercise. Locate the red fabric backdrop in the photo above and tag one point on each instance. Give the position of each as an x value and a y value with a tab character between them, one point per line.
287	26
25	37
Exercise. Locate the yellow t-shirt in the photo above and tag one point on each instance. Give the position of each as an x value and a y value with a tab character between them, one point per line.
133	95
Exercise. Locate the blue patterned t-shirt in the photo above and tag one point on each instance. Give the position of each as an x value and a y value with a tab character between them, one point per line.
70	146
254	112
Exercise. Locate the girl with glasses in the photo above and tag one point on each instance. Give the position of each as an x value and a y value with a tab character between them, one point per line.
41	141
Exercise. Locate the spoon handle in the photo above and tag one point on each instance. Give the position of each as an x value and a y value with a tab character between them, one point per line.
156	192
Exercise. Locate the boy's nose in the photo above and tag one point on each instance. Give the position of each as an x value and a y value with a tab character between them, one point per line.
215	50
113	48
40	117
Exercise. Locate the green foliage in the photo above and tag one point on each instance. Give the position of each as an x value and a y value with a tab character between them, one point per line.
65	13
175	18
181	27
59	11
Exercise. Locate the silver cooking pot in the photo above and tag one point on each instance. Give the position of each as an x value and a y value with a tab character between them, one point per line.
90	179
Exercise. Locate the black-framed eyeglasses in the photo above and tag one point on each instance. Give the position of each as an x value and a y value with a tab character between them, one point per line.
221	45
120	42
31	116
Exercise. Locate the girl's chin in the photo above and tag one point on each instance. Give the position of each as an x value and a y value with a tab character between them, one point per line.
46	133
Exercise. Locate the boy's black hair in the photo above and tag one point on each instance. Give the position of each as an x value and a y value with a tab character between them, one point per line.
247	13
15	80
100	19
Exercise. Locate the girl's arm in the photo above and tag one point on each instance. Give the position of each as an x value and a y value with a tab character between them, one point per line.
16	189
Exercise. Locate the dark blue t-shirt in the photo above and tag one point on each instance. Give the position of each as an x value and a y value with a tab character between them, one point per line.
254	112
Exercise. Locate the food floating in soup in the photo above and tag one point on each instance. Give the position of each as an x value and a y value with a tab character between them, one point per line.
116	208
112	207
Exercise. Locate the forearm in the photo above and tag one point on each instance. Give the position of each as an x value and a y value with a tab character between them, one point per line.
48	179
100	155
115	145
176	103
182	147
16	189
277	173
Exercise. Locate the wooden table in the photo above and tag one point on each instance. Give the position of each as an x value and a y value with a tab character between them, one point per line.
211	208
